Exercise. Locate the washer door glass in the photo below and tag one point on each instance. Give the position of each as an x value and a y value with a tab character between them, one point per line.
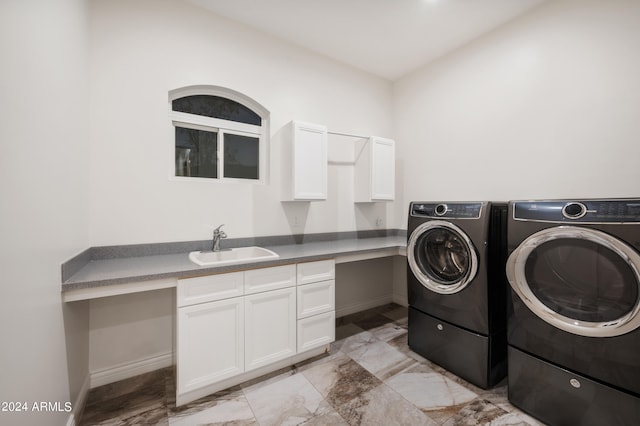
580	280
442	257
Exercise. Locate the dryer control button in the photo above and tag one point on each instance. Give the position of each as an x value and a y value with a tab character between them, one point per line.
440	327
575	383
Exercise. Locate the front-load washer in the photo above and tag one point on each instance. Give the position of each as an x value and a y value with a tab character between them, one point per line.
457	287
573	310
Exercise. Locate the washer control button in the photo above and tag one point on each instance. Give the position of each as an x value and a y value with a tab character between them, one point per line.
575	383
574	210
441	209
440	327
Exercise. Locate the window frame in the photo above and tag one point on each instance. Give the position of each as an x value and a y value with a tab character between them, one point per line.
221	127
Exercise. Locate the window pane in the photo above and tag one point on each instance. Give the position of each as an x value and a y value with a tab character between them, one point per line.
241	156
216	107
196	153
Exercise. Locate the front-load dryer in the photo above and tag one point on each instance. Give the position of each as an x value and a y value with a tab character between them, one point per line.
457	288
574	310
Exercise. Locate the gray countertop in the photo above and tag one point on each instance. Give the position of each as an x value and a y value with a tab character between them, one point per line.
112	271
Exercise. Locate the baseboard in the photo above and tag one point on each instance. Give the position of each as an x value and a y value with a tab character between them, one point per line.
363	306
78	405
131	369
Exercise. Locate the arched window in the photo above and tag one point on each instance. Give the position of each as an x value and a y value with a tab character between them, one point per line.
219	134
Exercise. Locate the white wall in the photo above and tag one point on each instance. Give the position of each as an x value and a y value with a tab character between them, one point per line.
139	51
142	49
43	183
131	334
544	107
363	285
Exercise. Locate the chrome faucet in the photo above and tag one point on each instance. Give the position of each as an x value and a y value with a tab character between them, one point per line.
217	235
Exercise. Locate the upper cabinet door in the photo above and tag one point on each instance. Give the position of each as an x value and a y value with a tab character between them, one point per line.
308	163
375	170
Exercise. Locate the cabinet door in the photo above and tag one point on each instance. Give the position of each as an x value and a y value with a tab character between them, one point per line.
270	327
210	343
375	170
316	331
309	161
383	169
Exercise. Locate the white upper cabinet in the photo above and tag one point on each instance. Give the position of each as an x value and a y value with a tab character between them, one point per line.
375	170
308	179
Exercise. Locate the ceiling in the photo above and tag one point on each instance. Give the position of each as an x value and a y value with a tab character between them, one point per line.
388	38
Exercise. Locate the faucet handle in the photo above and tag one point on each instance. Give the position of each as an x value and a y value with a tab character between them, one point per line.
219	232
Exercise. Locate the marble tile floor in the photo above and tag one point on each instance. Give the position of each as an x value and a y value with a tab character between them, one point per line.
371	377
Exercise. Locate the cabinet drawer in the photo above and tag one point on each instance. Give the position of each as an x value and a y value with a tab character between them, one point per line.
316	331
316	298
259	280
209	288
312	272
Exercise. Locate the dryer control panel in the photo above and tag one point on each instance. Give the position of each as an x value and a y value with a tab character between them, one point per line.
447	210
582	211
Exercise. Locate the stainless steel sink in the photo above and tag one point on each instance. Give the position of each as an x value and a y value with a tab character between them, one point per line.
231	256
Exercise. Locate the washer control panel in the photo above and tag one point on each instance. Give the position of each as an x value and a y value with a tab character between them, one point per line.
447	210
582	211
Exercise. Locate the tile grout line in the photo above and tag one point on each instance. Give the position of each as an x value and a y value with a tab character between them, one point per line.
244	395
323	397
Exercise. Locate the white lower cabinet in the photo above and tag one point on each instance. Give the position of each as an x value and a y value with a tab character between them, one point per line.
236	326
316	331
316	298
261	280
316	304
270	327
313	272
208	288
210	343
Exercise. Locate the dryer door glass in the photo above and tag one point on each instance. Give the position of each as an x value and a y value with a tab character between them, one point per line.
579	280
442	257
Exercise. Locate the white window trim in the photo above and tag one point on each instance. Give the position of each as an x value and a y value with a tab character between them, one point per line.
217	123
199	122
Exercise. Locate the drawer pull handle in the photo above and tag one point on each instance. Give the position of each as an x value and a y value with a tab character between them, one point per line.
440	327
575	383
